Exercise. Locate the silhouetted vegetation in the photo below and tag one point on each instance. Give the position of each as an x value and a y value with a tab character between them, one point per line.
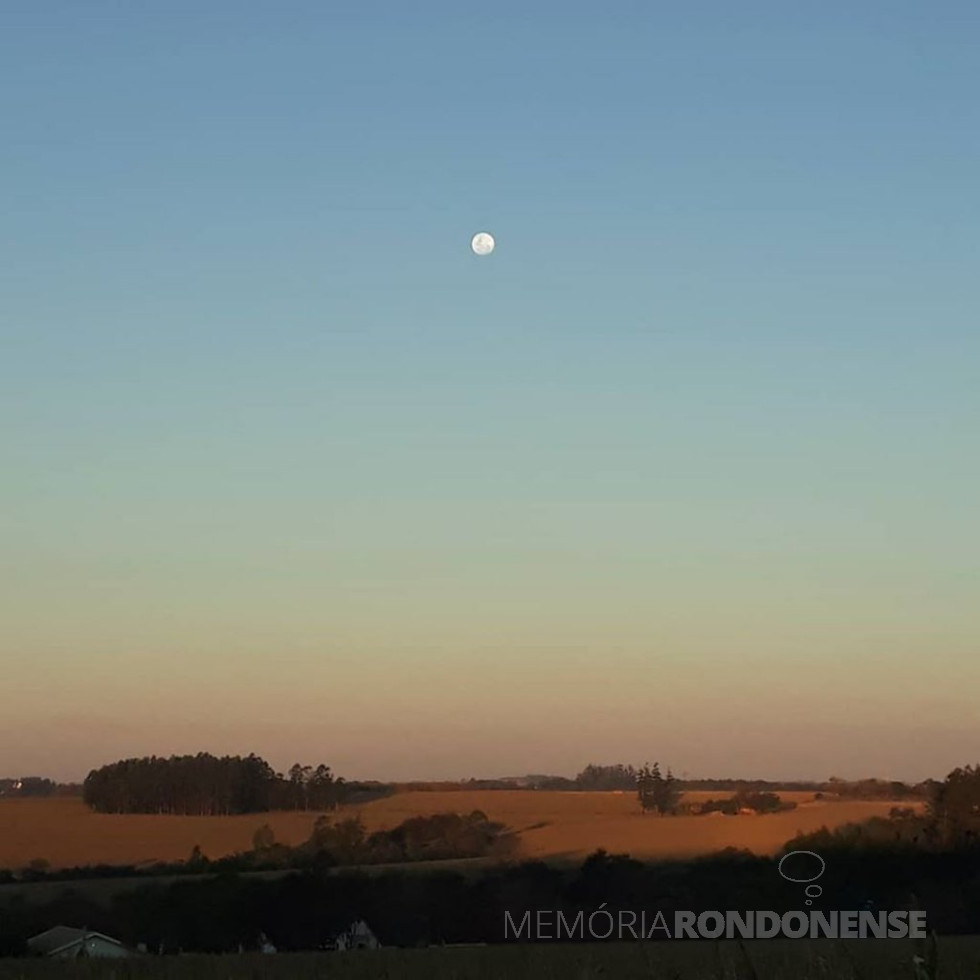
909	860
877	789
605	778
203	784
620	777
656	791
951	822
304	910
441	836
744	800
332	843
27	786
206	785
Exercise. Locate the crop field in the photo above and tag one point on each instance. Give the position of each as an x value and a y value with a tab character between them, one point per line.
573	825
959	959
550	825
65	833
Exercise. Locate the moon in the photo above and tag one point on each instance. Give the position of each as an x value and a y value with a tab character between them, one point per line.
483	243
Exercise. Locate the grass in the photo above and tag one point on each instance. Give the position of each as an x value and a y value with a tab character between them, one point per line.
551	825
763	960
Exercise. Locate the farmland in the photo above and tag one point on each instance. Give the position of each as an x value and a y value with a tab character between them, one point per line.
555	825
550	825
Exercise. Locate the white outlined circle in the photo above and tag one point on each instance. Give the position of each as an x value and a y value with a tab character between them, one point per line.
802	881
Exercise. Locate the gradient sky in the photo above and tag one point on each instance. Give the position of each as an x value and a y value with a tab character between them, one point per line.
686	470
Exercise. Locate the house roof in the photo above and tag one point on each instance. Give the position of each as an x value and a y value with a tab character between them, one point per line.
358	929
57	938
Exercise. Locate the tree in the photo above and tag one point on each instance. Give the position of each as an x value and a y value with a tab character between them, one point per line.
601	778
954	806
669	795
343	841
322	790
646	788
655	791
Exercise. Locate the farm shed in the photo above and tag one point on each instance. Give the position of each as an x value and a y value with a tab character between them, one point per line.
66	943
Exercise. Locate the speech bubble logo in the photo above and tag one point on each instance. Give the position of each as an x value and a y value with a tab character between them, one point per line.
817	866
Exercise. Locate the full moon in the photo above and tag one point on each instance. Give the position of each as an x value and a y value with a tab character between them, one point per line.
482	243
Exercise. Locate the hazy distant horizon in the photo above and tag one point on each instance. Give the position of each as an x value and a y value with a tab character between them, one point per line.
686	469
857	767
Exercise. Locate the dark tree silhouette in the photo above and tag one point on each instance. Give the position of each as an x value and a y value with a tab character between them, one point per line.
602	778
205	785
954	806
655	791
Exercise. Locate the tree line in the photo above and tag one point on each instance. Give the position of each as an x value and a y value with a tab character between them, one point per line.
623	778
303	911
206	785
35	786
951	820
593	778
203	784
27	786
438	836
661	793
332	843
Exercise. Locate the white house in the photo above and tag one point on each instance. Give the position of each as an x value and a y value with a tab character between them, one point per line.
357	935
66	942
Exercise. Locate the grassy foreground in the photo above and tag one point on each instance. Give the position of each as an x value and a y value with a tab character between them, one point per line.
959	959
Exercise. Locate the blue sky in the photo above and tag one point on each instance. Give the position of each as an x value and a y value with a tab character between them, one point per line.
281	456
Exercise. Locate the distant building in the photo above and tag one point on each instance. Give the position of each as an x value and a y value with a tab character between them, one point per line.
67	943
357	935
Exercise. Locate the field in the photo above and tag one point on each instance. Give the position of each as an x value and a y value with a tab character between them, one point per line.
573	825
959	959
550	825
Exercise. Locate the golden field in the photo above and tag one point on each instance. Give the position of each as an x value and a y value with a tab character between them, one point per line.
571	825
550	825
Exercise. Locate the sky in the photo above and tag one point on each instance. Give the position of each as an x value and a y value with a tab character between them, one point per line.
685	470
